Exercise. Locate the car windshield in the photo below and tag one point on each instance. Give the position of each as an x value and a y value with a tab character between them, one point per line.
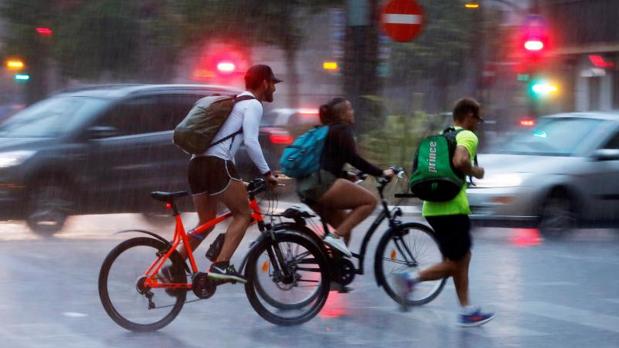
49	118
552	137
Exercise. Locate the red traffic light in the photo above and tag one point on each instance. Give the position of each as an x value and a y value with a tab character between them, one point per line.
533	45
534	34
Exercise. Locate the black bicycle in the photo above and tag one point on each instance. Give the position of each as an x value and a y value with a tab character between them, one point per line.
404	246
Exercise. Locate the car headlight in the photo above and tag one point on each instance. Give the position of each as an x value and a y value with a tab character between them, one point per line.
14	158
501	180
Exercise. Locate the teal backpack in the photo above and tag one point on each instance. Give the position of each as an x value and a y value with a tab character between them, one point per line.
302	157
434	178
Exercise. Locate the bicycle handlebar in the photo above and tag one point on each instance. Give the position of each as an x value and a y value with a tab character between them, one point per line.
256	186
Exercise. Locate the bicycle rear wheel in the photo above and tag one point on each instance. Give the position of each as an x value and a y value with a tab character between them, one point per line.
122	291
288	279
409	247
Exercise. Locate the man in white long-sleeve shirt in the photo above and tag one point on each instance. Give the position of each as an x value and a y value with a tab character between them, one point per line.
213	177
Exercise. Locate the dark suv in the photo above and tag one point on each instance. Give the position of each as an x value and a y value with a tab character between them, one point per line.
101	150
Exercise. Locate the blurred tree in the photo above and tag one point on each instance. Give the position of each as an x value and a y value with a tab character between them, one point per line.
141	40
118	40
93	40
273	22
22	17
442	51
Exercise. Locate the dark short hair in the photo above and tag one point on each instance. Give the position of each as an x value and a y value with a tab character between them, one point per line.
329	112
465	106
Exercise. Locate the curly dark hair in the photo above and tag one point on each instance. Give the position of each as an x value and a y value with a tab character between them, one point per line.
329	112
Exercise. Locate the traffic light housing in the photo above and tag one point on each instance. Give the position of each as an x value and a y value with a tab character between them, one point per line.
534	36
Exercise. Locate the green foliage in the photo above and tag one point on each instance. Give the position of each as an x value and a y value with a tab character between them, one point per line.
136	39
443	47
100	36
396	142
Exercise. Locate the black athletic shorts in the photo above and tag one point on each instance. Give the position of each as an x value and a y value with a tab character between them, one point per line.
210	175
453	233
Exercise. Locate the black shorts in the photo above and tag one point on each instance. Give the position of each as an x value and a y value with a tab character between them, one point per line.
453	233
210	175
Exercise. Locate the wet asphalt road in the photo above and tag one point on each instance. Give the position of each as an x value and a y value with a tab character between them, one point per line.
546	293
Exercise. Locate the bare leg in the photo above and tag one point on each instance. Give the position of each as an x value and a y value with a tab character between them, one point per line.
343	194
333	218
461	279
438	271
459	270
235	198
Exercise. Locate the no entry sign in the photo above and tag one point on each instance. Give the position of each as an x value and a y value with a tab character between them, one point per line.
402	19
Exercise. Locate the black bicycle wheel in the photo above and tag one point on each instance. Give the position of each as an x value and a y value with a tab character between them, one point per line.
292	289
409	247
123	294
260	289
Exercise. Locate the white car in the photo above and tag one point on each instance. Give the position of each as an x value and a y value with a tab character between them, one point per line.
561	174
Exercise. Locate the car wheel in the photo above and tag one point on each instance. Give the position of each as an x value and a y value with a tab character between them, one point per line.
558	216
50	205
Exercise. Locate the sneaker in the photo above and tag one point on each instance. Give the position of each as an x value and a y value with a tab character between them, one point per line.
476	318
225	273
404	286
337	243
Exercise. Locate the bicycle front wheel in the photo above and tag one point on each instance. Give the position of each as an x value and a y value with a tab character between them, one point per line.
409	247
123	294
288	278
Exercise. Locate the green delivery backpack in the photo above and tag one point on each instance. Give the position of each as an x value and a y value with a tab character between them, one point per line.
434	178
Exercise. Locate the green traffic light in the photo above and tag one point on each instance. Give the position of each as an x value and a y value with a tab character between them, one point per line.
22	77
543	88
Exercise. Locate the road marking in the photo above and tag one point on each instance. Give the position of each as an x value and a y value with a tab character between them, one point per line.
567	314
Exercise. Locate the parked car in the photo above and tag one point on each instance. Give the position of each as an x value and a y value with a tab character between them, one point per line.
100	150
561	174
295	121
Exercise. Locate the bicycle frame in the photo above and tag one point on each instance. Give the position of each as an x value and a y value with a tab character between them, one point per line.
181	236
384	214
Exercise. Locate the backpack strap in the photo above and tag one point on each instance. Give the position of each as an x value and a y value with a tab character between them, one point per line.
235	100
475	162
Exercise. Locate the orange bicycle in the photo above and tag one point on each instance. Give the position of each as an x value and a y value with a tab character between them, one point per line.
286	271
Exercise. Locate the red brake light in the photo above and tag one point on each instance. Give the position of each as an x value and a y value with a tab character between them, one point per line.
226	67
281	138
44	31
527	122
